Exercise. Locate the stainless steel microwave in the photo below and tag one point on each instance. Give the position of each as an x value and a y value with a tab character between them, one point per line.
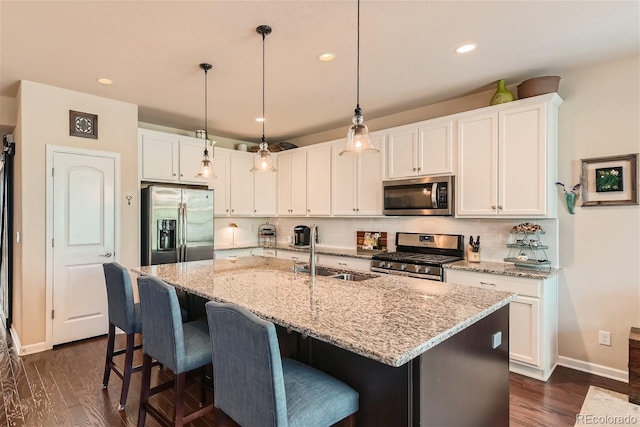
431	195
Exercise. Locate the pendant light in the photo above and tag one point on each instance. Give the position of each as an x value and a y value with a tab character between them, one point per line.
263	162
358	141
206	167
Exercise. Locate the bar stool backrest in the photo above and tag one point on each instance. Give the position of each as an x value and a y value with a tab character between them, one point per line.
120	297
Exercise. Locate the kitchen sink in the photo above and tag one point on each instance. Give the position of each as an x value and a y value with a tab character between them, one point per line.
323	271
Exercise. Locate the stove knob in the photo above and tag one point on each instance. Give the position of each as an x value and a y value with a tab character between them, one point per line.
426	270
389	264
403	267
417	268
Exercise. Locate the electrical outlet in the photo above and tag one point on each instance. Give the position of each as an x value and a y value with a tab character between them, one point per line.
604	338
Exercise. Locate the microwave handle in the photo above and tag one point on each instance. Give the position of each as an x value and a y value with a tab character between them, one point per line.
434	195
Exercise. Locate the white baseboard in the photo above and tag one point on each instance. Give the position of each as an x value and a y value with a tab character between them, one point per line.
27	349
594	368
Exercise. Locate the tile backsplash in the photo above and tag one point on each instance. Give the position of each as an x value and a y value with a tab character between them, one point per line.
494	233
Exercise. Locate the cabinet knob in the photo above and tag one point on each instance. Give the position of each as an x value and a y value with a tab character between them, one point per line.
493	206
499	206
255	210
419	169
226	210
414	169
309	210
357	209
354	209
174	174
233	210
181	174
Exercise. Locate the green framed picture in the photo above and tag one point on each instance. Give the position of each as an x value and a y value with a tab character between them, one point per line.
609	181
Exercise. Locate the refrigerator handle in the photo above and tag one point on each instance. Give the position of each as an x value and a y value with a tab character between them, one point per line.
184	232
180	242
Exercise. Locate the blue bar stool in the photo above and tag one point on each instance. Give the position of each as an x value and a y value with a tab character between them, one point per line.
124	314
256	388
179	347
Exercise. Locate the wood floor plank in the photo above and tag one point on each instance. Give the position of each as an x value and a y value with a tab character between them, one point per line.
14	417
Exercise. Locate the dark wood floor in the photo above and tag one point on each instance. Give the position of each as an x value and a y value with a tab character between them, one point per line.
63	387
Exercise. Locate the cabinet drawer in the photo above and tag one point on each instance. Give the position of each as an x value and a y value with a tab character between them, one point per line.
345	263
269	253
292	255
519	285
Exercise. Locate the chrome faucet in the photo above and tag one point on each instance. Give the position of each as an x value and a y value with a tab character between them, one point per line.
312	250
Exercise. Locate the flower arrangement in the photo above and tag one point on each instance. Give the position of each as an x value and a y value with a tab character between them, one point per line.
570	196
574	190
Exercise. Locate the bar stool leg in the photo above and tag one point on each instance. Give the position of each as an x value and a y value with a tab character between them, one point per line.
128	367
144	392
109	358
178	418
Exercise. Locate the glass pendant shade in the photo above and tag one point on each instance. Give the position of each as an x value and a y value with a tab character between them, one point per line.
358	140
263	162
206	167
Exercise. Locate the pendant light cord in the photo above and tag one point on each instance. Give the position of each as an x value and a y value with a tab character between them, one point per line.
206	111
263	117
358	110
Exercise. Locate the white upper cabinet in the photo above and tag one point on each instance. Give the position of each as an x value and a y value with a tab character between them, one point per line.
357	180
265	191
507	159
241	183
221	190
171	158
237	190
419	149
292	182
319	180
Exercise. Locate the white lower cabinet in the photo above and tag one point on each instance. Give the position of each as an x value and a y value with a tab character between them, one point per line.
297	256
344	263
533	319
232	253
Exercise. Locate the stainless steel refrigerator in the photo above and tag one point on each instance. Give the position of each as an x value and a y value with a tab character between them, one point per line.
177	225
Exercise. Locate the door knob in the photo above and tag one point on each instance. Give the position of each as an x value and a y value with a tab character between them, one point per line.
106	255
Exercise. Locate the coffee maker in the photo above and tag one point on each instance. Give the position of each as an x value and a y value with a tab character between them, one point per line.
301	235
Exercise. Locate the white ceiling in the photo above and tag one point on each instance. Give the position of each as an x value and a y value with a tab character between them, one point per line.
151	49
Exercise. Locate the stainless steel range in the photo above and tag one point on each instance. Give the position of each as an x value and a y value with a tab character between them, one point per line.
420	255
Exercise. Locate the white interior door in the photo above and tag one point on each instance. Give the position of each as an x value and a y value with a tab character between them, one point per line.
84	191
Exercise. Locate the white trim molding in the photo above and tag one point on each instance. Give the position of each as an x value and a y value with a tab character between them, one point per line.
27	349
594	368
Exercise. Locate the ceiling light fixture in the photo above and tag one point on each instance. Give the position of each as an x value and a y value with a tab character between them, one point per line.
326	57
206	168
263	161
358	140
466	48
104	81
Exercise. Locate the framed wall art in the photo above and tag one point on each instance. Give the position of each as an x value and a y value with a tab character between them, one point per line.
84	125
610	181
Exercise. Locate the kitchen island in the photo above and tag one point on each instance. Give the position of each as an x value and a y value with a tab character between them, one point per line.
419	352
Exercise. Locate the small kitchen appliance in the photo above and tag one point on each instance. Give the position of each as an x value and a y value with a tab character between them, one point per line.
431	195
301	235
420	255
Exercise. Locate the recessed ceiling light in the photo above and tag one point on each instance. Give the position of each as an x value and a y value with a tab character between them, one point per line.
105	81
260	119
326	57
465	48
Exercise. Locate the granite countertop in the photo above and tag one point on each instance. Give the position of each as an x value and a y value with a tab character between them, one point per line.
322	250
390	319
502	268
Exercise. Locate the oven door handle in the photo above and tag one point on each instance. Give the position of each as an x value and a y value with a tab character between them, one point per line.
434	195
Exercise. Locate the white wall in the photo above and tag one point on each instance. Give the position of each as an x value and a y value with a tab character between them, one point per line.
599	246
43	118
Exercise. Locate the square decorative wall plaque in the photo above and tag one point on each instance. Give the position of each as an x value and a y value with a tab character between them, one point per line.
84	125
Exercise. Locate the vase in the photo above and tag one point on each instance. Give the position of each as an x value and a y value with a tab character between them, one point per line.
571	201
502	95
